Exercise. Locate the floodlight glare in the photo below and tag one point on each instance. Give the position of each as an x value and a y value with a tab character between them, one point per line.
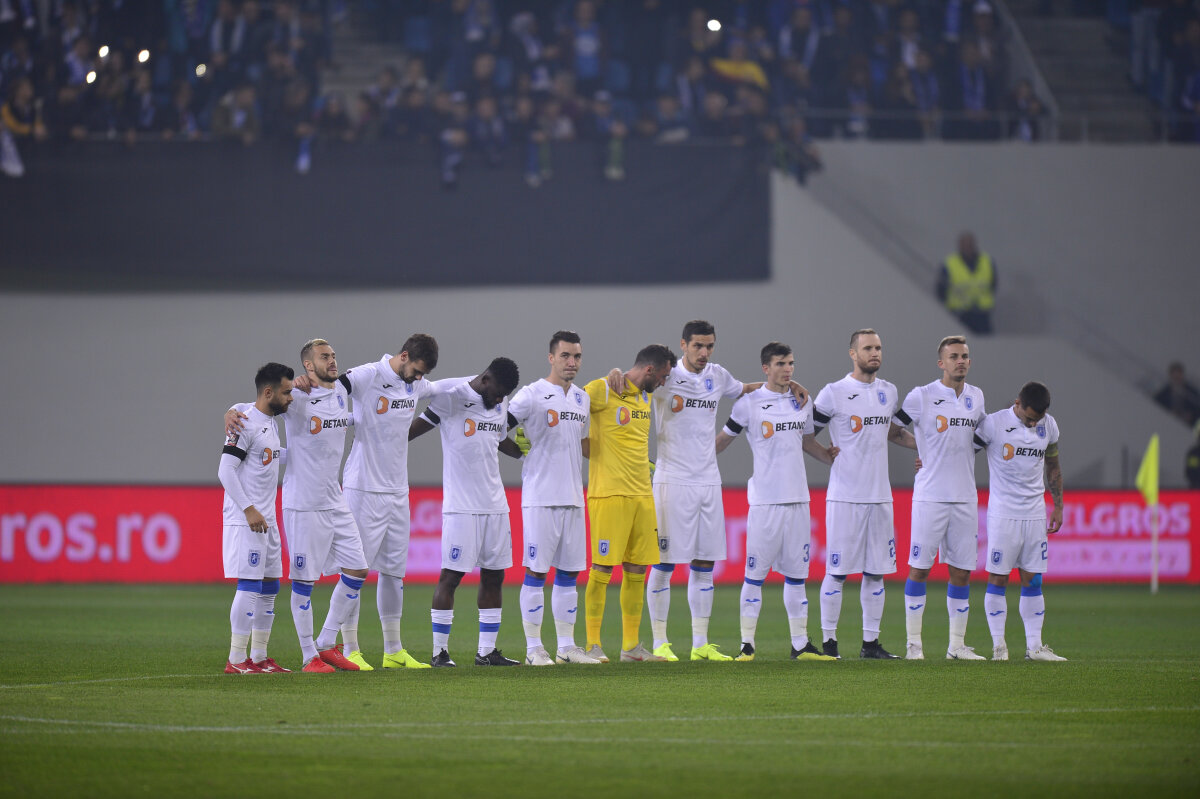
104	51
143	56
200	70
714	25
91	77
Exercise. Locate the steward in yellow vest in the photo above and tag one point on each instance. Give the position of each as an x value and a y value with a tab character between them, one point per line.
967	285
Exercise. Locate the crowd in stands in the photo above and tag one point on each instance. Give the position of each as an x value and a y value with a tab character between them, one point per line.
505	78
1165	57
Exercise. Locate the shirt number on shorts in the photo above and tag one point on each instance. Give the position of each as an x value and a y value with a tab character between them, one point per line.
806	553
892	548
1044	545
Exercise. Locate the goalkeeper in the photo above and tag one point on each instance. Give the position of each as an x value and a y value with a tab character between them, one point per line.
553	417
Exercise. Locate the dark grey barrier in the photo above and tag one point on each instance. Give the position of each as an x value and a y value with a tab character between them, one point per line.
173	215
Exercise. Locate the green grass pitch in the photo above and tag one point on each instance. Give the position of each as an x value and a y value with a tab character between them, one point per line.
116	691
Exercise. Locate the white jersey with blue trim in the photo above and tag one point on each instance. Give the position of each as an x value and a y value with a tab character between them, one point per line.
775	425
554	421
1016	463
859	416
471	435
685	417
257	447
943	424
316	438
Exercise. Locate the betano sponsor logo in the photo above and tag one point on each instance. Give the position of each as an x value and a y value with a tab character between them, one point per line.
678	403
857	423
316	424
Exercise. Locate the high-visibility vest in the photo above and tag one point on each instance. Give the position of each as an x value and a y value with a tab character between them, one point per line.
969	290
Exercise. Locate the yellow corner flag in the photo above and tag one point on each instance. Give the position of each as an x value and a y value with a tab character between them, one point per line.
1147	476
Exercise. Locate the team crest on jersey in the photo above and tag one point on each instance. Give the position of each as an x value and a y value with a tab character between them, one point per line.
750	561
300	560
341	402
795	403
882	397
1041	431
603	546
996	556
969	403
532	551
708	384
254	557
835	558
578	398
663	544
916	551
455	553
408	388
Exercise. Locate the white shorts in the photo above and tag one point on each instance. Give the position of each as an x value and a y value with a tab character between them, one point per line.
555	537
778	537
382	520
1016	542
476	540
948	529
321	542
860	538
251	556
691	523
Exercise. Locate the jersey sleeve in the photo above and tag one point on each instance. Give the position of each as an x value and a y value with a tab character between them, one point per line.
823	408
521	405
597	392
431	388
357	379
1052	432
439	408
731	387
739	417
985	432
910	409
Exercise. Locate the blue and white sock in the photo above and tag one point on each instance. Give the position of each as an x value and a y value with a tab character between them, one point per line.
389	599
872	596
345	595
241	618
489	629
751	604
795	603
441	619
831	605
533	604
996	608
302	617
1032	607
658	600
958	605
700	601
914	609
350	628
264	618
564	602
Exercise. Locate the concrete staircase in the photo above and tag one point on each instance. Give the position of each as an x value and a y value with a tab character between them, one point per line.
1087	68
358	56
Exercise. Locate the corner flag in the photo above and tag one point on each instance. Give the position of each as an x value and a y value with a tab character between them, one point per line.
1147	475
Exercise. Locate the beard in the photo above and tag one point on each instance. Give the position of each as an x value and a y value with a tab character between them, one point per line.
278	407
869	369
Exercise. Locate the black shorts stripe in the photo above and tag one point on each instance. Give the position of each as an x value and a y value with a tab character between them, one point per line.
229	449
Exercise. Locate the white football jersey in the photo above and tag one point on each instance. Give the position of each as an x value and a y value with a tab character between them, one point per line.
775	426
944	425
859	416
470	459
1016	462
316	437
685	416
554	422
383	408
257	447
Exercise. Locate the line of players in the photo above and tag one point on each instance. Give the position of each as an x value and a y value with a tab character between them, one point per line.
637	523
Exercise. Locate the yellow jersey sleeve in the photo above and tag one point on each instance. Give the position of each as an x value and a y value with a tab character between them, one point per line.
619	464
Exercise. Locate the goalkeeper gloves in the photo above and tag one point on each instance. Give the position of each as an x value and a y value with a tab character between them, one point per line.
522	441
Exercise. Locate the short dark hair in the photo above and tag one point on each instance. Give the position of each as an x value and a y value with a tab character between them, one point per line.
948	340
422	347
505	373
569	336
271	375
655	355
1034	396
698	327
307	350
862	331
772	351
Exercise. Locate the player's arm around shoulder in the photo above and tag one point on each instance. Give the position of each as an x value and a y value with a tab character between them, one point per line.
1054	481
739	418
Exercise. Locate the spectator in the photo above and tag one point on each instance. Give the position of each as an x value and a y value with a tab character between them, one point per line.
671	124
256	36
531	57
696	40
454	139
142	108
987	39
967	284
1179	396
971	96
583	46
333	120
488	132
226	46
19	122
179	119
609	132
692	85
713	121
525	130
237	118
739	69
902	120
927	92
16	63
1025	113
800	40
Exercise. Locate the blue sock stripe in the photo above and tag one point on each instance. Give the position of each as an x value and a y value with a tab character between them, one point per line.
1031	590
793	581
441	628
270	587
534	582
352	582
303	589
253	586
487	626
664	567
958	591
753	582
566	580
702	569
914	588
995	589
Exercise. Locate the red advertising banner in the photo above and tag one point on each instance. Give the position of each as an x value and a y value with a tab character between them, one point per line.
129	534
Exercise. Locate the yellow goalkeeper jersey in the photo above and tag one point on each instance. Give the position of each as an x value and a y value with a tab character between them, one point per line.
619	464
